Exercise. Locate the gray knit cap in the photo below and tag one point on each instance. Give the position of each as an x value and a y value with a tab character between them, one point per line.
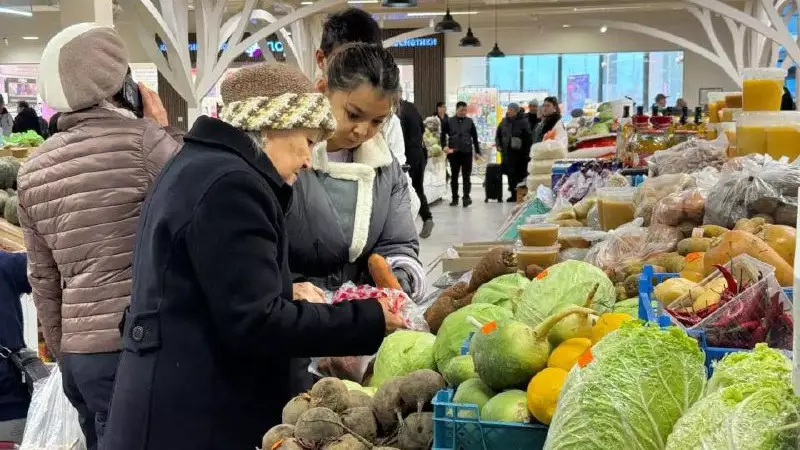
81	66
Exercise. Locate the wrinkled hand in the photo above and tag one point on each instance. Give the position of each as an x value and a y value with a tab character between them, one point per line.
152	106
393	321
448	150
309	292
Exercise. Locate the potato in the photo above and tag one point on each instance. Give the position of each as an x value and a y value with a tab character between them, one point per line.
692	245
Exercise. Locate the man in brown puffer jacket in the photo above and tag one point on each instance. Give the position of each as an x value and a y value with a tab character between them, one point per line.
80	196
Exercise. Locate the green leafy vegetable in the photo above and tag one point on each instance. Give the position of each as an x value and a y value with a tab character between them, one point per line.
401	353
629	306
505	291
27	139
565	283
456	328
774	369
640	381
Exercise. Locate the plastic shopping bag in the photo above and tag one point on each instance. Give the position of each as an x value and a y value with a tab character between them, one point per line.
52	421
356	368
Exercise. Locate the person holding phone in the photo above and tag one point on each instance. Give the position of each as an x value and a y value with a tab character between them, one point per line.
80	196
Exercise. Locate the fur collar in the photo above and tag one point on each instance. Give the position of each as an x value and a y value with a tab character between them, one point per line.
374	154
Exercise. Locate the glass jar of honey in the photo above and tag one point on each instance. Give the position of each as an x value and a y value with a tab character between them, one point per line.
762	89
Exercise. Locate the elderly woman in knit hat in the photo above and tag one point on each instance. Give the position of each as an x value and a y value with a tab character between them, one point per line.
212	326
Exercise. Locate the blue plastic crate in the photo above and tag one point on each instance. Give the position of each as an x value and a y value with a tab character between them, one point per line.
457	427
649	311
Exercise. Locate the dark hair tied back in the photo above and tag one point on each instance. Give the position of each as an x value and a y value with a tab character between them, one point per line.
355	64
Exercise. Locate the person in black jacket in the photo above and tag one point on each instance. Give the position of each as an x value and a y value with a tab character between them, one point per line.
417	158
212	326
551	115
787	103
14	396
514	139
459	140
26	119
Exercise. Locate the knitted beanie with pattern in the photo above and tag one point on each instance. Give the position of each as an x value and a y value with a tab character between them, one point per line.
275	96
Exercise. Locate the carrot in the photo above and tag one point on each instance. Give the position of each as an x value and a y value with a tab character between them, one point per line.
736	242
382	273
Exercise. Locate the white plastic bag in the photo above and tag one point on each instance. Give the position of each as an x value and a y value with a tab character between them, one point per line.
52	420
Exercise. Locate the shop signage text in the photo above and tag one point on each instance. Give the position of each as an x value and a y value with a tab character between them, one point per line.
274	46
418	42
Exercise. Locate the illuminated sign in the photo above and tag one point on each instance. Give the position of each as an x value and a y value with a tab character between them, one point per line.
274	46
418	42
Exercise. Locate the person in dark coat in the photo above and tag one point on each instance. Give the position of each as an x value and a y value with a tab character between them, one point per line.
551	115
14	396
26	120
533	114
417	158
459	141
787	103
212	326
514	139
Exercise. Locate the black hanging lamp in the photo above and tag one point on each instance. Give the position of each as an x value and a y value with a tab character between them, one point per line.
469	40
448	24
495	52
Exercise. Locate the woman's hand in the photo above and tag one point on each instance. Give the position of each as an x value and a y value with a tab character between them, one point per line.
152	106
393	321
309	292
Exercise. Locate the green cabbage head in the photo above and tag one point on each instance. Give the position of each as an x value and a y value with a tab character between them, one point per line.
641	380
505	290
765	366
401	353
566	283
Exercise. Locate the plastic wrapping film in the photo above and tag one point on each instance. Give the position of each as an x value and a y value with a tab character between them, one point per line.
628	391
632	242
763	186
685	209
355	368
654	189
52	420
689	157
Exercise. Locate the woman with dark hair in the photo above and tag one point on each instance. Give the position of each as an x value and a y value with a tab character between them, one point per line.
6	121
551	114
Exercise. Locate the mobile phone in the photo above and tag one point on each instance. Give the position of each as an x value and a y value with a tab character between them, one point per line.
129	96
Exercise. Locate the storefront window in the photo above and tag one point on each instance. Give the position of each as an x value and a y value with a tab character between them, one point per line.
623	76
540	73
666	75
504	73
580	79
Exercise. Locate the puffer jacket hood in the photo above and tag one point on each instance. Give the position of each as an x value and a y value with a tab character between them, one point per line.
80	195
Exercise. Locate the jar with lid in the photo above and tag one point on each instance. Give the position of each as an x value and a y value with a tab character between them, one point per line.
775	133
763	89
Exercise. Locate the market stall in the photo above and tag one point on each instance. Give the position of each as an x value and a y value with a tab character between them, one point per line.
642	299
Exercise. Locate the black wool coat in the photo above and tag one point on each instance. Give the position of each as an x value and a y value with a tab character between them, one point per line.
212	328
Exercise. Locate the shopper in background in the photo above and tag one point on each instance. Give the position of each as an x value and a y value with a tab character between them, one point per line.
26	120
80	195
680	104
787	103
14	395
6	121
551	115
533	114
417	158
514	140
459	141
212	324
661	102
53	127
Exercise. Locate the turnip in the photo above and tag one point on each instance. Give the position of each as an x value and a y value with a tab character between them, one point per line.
357	399
361	421
330	393
419	387
346	442
295	408
318	426
416	432
287	444
508	353
276	434
388	404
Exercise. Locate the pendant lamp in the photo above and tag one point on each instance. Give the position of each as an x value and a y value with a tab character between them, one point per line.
469	40
448	24
495	52
399	3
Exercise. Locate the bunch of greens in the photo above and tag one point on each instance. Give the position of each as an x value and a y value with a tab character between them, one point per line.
26	139
639	382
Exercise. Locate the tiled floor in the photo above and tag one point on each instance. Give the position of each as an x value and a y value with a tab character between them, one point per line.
454	224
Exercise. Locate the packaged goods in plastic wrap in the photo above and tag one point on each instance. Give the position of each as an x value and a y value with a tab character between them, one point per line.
689	156
355	368
52	420
632	243
767	188
628	391
679	208
654	189
548	150
541	167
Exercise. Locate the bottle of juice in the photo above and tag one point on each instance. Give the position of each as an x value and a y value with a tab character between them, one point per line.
624	131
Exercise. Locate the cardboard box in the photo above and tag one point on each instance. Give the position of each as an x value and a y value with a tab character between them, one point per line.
469	254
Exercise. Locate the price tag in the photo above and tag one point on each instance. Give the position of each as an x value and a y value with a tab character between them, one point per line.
697	232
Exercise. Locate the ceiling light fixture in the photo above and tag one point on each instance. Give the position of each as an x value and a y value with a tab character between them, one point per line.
603	29
16	12
566	25
448	24
495	52
399	3
469	40
362	2
438	13
306	3
30	38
